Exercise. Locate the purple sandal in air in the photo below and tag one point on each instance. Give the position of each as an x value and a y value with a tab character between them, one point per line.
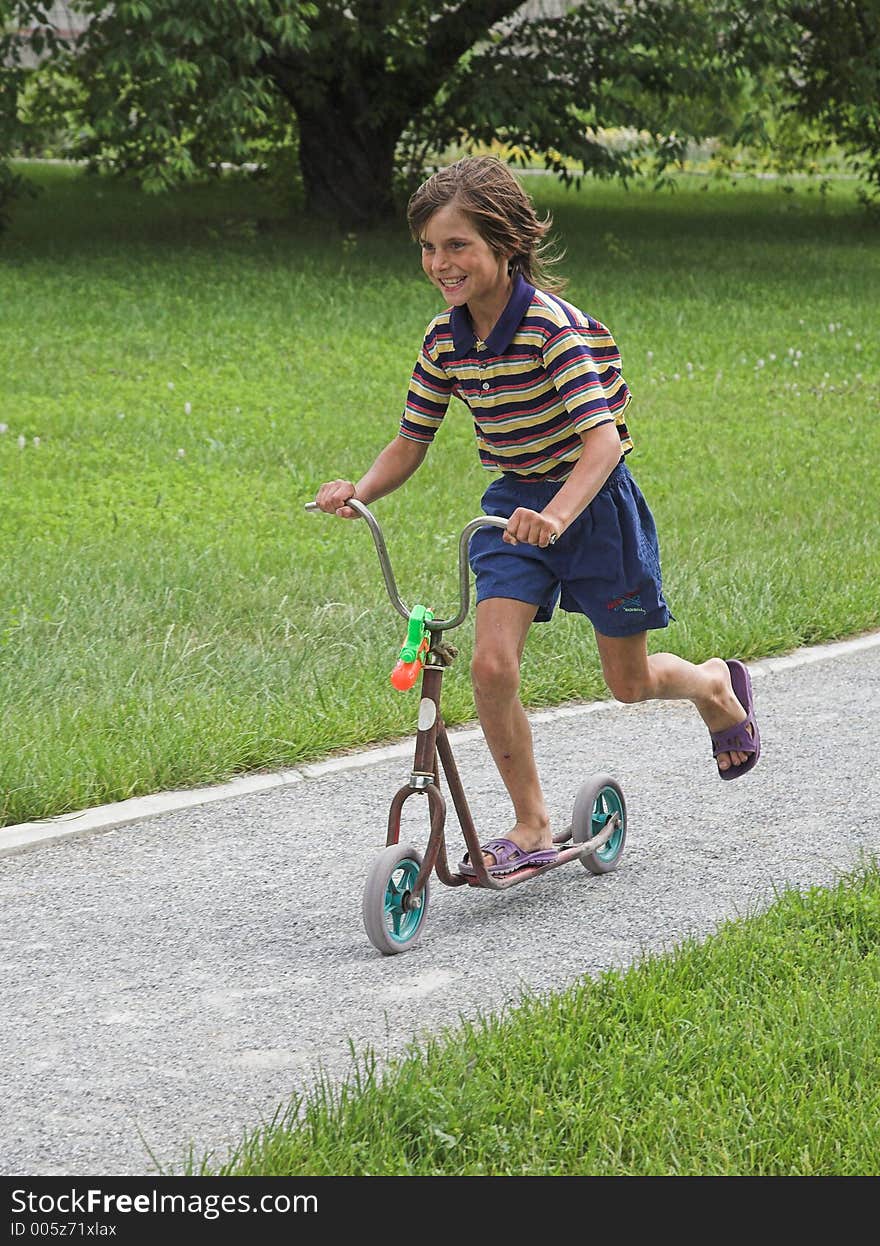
745	736
509	857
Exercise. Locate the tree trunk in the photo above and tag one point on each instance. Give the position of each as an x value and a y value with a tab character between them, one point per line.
347	166
357	84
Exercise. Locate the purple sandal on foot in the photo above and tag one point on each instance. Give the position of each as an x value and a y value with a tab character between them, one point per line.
509	857
745	736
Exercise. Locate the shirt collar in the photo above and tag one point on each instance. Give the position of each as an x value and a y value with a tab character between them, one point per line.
508	322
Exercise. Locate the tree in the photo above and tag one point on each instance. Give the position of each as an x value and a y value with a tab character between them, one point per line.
16	52
170	90
835	75
366	89
366	72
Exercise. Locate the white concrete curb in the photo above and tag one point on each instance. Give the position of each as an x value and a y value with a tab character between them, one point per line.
26	835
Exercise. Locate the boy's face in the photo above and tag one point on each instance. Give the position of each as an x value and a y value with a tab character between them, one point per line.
460	263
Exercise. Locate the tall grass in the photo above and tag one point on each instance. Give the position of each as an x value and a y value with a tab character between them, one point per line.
181	374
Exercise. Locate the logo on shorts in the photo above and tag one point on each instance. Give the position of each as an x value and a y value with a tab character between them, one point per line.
630	604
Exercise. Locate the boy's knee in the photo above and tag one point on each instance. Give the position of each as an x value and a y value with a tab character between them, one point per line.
628	689
494	672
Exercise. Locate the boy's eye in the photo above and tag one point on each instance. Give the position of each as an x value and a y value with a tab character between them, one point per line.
455	245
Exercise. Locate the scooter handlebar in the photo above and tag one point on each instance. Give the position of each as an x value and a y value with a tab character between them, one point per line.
435	625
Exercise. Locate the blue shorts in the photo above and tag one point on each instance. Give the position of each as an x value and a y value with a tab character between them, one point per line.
606	565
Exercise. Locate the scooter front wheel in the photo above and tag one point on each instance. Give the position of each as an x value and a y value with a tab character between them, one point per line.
392	919
598	801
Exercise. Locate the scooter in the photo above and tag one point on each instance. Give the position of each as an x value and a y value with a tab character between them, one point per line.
396	894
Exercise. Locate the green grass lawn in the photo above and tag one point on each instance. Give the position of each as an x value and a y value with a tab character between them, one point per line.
180	375
755	1053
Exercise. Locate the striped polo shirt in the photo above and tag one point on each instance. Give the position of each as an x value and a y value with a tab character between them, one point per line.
546	373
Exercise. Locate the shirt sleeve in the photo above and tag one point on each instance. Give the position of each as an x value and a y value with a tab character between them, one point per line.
428	398
584	363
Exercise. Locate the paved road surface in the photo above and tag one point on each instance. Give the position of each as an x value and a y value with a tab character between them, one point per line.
173	981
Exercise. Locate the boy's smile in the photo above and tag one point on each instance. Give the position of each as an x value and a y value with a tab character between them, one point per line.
464	268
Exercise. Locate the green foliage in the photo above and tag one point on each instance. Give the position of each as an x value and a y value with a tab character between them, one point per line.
817	63
50	110
835	77
357	92
14	15
545	86
173	91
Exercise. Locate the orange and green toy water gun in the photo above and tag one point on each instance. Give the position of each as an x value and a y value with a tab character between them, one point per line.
412	655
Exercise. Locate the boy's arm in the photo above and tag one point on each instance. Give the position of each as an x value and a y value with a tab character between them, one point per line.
600	456
394	465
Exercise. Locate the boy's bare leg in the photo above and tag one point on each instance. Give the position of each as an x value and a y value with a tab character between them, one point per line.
502	625
632	675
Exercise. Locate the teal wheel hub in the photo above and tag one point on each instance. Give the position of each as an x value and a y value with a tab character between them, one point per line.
392	918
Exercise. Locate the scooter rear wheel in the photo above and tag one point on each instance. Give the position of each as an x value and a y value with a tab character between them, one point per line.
598	800
392	926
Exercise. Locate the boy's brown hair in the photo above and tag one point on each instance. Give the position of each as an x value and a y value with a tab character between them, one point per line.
484	188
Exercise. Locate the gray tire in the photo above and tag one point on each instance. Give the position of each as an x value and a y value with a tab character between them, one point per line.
391	926
599	799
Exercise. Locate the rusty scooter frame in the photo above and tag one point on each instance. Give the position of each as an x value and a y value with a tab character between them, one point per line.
396	894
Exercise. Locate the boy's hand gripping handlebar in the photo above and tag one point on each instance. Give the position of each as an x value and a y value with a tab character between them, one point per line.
427	620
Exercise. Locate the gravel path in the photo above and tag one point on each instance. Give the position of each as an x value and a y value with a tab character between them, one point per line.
174	980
